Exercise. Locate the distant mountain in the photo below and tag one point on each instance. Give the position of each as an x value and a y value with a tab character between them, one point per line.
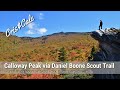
55	34
59	33
68	33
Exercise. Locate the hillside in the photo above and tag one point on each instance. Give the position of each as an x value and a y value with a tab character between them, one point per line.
77	46
46	48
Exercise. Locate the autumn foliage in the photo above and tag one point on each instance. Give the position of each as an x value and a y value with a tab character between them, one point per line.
69	47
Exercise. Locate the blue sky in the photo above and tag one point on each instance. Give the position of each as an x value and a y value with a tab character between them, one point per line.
48	22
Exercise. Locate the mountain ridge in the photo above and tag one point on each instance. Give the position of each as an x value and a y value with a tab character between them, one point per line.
58	33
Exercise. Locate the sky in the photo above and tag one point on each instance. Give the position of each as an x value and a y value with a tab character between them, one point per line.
49	22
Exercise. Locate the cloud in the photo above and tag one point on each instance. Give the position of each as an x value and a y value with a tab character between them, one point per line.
33	28
41	16
31	25
30	32
42	30
37	31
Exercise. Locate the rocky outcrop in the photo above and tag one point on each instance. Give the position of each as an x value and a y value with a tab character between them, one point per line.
109	43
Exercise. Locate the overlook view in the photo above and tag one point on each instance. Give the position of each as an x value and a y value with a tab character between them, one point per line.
57	36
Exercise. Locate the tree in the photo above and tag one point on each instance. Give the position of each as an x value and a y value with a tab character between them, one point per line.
93	51
62	54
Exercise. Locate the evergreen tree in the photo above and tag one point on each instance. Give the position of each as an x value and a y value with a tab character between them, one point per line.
93	51
62	54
